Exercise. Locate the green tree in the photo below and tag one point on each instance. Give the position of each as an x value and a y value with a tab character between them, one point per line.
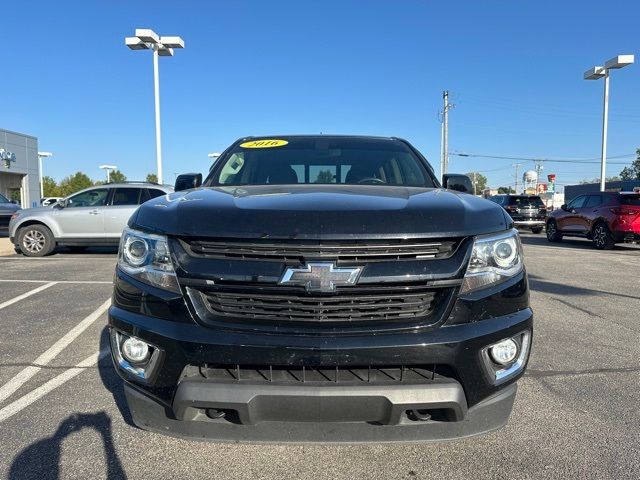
50	187
324	176
506	190
117	177
632	172
480	180
615	178
152	178
74	183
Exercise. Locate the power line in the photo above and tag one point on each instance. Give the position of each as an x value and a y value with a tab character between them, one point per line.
553	160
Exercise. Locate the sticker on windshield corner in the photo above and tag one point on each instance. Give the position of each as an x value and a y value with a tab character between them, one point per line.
268	143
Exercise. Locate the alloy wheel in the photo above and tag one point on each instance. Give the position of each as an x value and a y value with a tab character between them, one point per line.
600	236
34	241
551	230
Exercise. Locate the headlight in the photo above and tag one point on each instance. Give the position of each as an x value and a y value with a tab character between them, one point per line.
146	257
495	258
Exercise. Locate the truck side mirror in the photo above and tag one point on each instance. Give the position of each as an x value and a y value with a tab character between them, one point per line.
457	182
563	207
187	181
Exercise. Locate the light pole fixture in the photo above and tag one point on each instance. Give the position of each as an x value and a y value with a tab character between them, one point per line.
147	39
108	169
213	155
594	73
42	155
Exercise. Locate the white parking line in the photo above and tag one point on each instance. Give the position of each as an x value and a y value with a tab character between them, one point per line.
25	374
81	282
52	384
25	295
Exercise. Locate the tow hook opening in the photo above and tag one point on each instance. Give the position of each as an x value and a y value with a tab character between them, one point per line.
420	415
214	413
430	414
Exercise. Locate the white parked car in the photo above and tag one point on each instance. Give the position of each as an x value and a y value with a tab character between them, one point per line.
95	216
48	201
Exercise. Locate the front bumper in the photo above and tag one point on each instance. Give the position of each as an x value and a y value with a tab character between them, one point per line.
463	393
529	223
468	400
488	415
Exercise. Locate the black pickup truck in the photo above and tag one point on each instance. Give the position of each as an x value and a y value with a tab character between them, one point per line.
320	289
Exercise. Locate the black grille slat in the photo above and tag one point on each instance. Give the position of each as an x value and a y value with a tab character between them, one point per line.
370	250
396	303
315	374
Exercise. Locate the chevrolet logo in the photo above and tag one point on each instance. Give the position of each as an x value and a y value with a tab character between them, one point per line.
320	276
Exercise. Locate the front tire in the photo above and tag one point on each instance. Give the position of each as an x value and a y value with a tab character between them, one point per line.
602	237
553	235
36	241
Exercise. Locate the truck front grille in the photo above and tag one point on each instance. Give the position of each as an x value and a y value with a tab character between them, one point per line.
339	251
350	304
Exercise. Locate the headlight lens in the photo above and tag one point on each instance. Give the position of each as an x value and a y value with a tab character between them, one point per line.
146	257
495	258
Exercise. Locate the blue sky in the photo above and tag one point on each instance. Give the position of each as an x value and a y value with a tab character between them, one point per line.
514	70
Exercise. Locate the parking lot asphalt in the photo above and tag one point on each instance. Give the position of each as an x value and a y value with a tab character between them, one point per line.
577	414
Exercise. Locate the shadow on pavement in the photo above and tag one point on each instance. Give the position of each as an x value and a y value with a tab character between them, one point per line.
111	380
576	243
85	250
537	284
41	460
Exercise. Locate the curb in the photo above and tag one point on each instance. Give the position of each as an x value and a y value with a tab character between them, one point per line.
6	247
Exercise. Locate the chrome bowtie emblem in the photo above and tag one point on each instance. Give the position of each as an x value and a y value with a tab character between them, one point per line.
320	276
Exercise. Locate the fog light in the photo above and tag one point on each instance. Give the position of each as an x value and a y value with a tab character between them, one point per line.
135	350
504	352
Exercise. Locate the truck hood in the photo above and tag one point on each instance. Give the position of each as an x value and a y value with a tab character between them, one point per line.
319	212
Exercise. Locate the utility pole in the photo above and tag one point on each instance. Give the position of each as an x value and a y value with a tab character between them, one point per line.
444	161
517	165
474	183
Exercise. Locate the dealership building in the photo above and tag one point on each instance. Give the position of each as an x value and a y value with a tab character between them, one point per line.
19	174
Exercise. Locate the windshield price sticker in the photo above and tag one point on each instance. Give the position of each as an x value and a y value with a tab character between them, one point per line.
269	143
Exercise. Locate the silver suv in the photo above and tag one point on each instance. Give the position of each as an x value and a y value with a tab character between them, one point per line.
92	217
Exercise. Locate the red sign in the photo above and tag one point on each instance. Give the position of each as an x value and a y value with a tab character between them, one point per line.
551	177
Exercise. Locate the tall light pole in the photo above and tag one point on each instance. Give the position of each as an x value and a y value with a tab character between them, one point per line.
444	149
595	73
109	169
42	155
147	39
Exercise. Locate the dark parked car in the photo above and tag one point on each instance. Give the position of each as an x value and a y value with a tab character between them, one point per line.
7	209
317	289
527	211
606	218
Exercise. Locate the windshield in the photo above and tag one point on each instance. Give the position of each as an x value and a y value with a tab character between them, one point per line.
304	160
526	201
3	199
